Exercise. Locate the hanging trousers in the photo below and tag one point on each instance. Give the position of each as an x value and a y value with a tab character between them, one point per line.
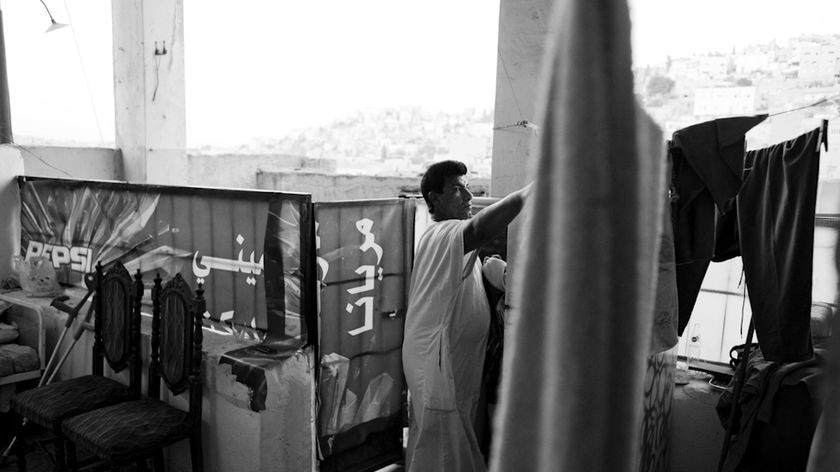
707	165
776	208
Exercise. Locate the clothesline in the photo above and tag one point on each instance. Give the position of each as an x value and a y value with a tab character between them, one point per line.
534	126
818	102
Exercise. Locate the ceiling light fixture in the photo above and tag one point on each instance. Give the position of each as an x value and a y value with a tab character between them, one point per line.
54	24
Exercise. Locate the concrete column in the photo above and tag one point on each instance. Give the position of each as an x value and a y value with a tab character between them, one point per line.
9	207
523	28
149	89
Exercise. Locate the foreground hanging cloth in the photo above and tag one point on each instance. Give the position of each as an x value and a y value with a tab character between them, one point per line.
776	208
443	352
575	358
708	160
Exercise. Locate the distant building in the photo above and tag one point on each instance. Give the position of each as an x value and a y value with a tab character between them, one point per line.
747	64
714	66
682	67
724	101
816	58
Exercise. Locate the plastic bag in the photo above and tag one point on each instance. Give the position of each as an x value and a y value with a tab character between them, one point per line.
37	276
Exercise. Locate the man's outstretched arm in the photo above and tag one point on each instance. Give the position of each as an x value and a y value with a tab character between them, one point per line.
489	222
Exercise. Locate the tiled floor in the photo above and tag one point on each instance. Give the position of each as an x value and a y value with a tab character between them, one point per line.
36	460
38	456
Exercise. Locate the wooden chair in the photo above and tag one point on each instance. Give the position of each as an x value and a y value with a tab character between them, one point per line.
133	431
116	340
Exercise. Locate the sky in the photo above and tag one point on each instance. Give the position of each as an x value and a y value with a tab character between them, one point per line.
266	67
687	27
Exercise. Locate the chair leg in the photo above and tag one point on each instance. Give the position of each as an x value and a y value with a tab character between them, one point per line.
158	460
196	455
70	449
21	460
20	447
60	459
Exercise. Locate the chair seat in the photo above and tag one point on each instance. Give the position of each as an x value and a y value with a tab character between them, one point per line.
50	404
127	431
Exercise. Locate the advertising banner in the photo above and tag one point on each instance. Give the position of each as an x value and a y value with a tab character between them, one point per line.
364	257
248	248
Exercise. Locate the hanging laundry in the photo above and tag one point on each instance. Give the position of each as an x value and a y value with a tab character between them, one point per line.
707	162
776	208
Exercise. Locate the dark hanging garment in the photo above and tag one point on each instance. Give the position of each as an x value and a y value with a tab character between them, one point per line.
776	208
707	163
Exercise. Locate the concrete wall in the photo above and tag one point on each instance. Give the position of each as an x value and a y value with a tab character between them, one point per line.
235	170
72	162
330	187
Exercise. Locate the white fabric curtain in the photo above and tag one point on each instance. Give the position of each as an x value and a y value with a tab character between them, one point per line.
584	282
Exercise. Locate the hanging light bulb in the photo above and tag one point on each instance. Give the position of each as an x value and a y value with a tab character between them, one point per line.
54	25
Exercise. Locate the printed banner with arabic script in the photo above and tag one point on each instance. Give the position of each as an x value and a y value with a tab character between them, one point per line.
364	262
245	246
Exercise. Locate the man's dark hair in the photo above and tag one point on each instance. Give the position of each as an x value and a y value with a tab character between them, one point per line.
435	178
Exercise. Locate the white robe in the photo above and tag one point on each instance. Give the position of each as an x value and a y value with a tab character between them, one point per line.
443	351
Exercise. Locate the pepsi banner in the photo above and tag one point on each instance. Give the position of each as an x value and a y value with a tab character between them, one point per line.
250	248
364	257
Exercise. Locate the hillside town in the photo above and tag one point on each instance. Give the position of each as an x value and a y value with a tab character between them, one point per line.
781	80
396	142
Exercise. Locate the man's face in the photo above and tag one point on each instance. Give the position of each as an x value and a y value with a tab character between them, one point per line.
454	202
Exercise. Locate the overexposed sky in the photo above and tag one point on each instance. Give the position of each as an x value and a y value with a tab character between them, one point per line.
261	68
47	88
687	27
303	63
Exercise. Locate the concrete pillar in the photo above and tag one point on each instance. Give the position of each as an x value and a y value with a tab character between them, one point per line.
12	165
149	89
523	28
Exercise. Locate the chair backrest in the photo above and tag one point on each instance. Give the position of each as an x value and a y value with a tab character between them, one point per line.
117	324
176	340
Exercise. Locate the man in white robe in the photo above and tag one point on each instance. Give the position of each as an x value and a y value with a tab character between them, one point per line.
447	322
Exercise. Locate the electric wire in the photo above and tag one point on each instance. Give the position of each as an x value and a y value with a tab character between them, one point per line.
84	73
803	107
522	121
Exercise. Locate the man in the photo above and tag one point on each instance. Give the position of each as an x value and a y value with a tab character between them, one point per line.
447	322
